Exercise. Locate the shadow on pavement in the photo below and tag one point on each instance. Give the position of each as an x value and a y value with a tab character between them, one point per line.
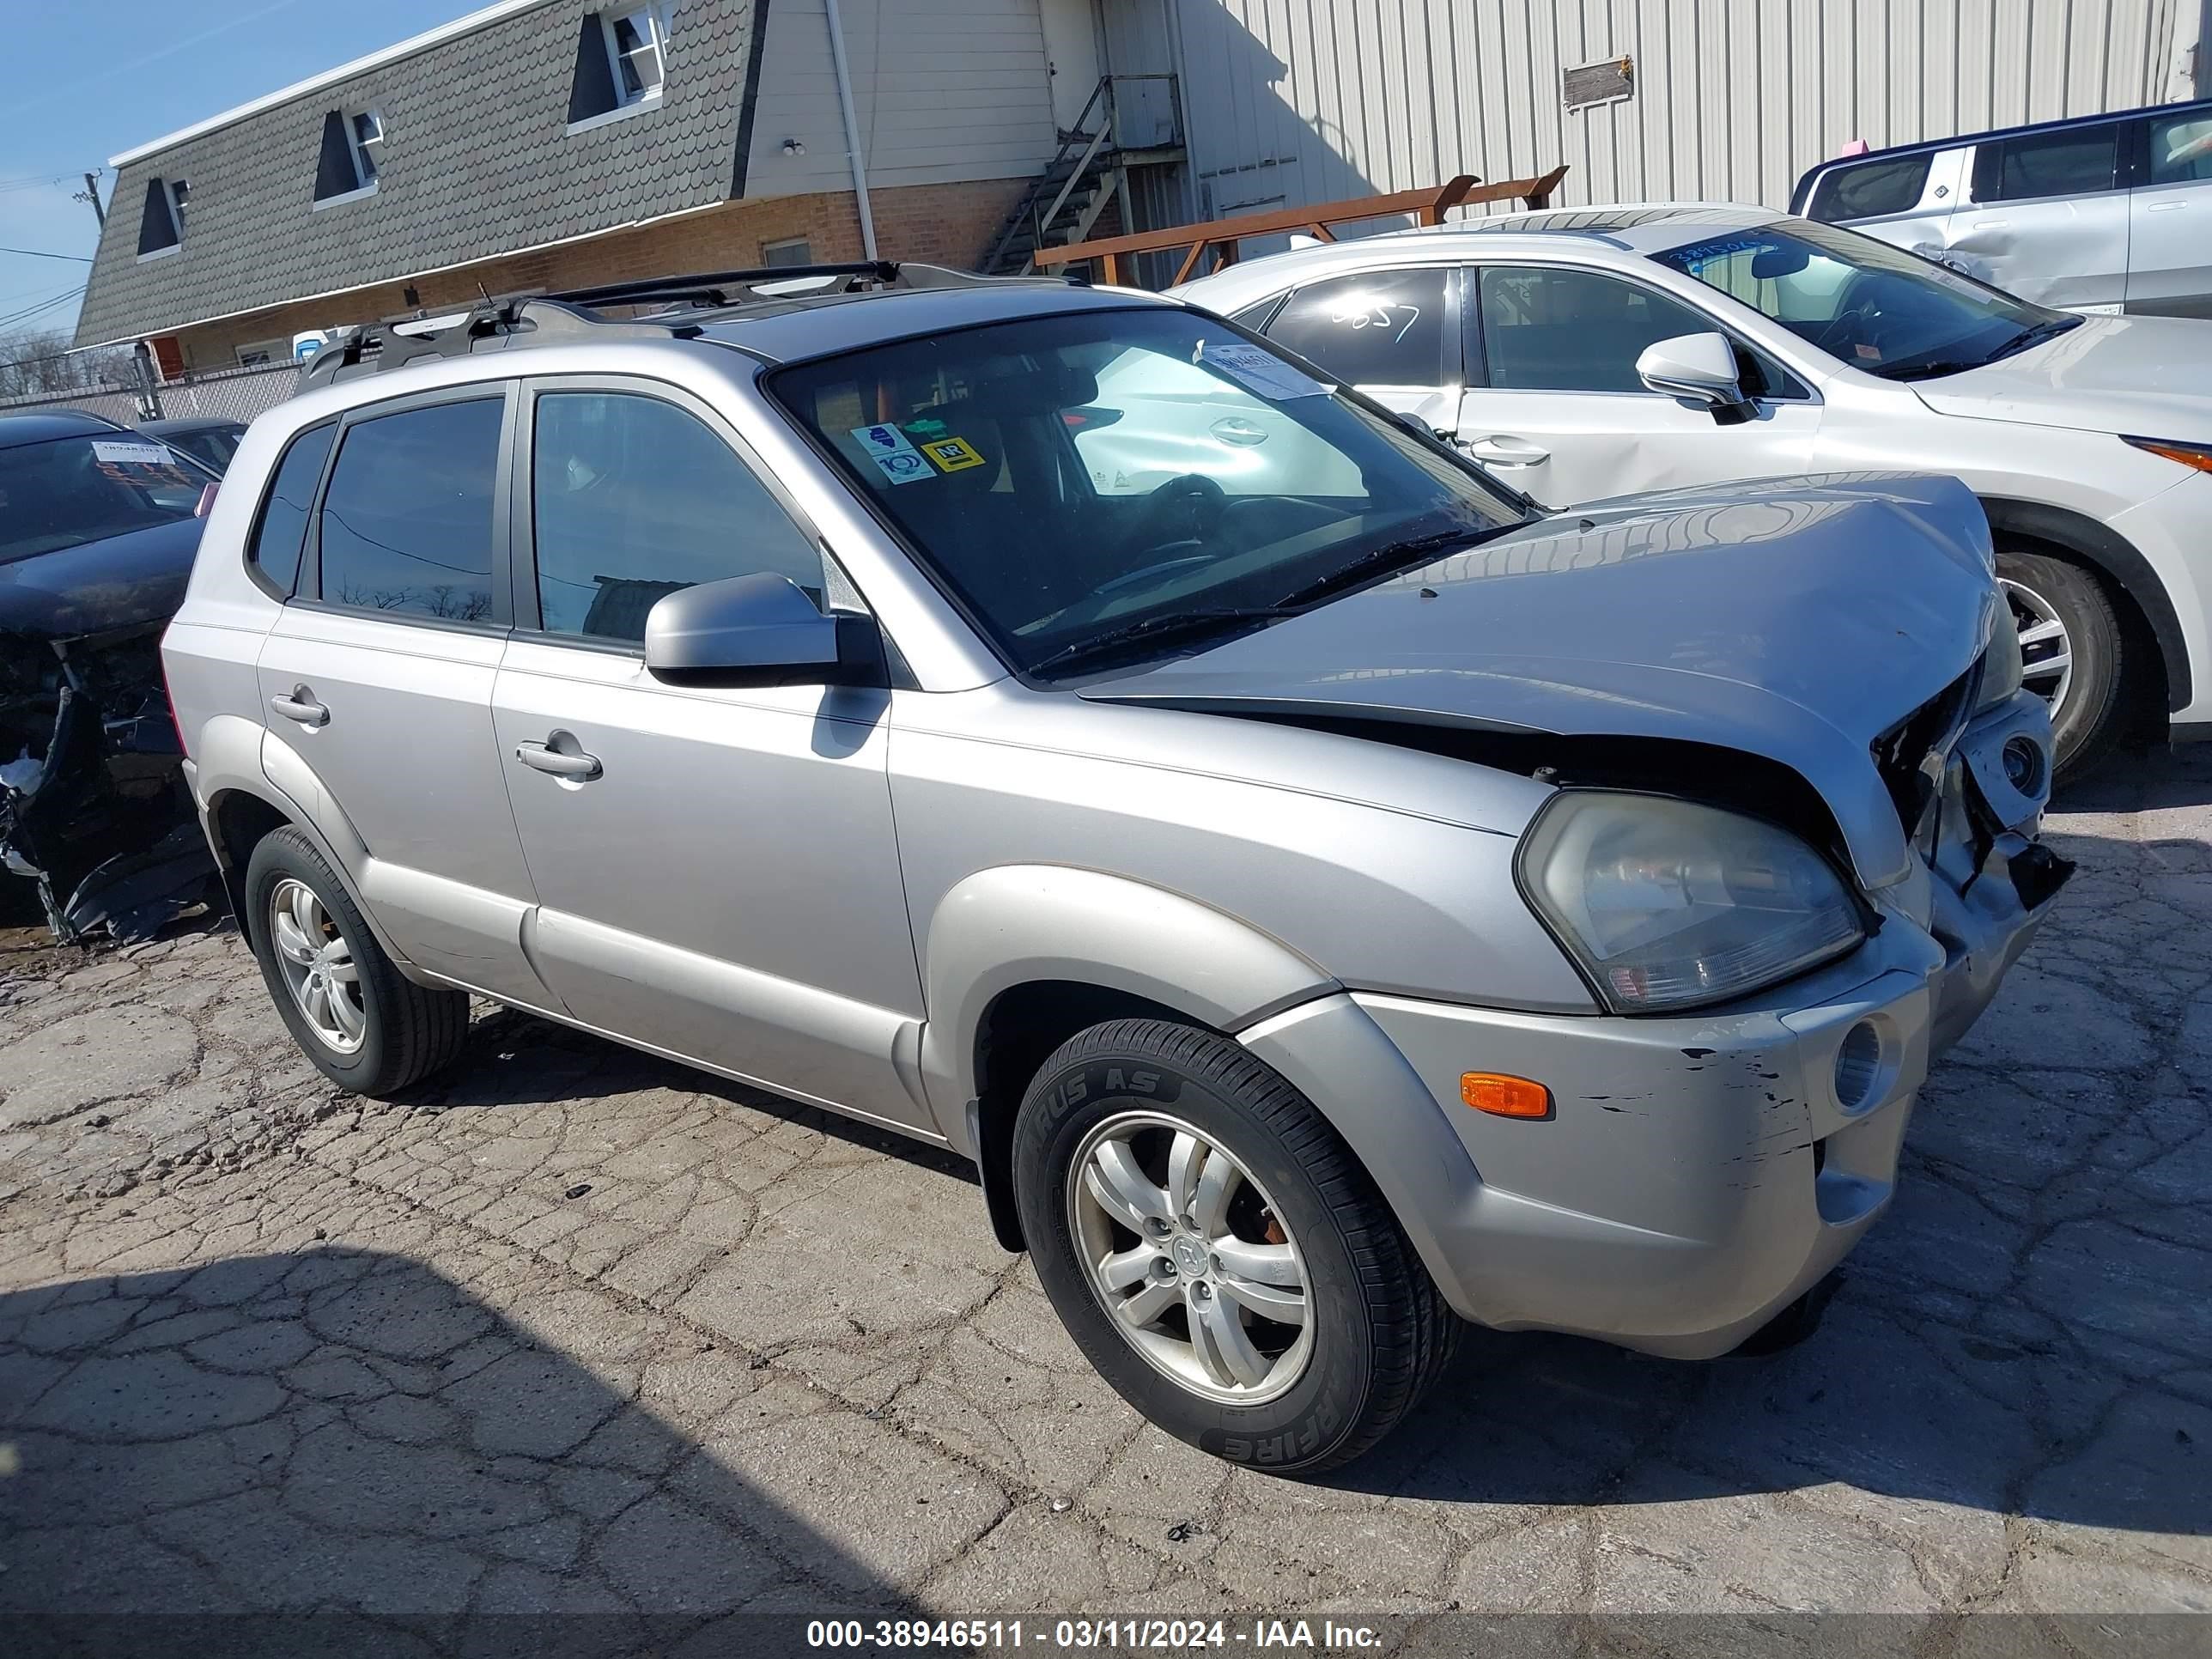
347	1438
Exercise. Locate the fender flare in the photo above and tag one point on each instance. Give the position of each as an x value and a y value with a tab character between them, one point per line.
2113	556
1014	925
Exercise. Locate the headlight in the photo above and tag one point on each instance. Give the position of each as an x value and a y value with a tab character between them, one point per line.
1667	904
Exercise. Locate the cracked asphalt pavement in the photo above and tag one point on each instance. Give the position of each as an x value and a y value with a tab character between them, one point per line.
573	1330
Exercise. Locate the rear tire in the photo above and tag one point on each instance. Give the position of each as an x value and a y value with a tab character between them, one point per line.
1299	1229
2073	653
373	1033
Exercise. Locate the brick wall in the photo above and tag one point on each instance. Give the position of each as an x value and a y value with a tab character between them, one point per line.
939	224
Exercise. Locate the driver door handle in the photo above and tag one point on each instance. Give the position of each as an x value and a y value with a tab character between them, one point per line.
540	758
1499	450
300	705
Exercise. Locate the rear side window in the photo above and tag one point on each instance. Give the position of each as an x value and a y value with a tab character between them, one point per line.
2181	149
1870	189
2082	162
1380	328
406	524
632	499
282	532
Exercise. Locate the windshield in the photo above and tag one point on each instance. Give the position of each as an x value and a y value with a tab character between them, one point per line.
1104	482
66	491
1874	306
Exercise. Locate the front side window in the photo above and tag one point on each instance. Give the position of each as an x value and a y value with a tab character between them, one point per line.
1107	483
1867	304
68	491
1870	189
282	532
2080	162
633	498
1549	329
2181	148
406	522
1380	328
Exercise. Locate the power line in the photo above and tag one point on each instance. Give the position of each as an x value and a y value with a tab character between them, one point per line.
41	253
29	312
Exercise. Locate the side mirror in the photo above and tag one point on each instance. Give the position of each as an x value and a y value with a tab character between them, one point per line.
1699	367
760	630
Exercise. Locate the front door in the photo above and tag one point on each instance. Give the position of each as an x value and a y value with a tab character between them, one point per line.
716	870
376	683
1560	413
2170	218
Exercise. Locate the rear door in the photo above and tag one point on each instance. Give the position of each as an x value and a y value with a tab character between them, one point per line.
2170	217
376	680
722	881
1557	408
2049	217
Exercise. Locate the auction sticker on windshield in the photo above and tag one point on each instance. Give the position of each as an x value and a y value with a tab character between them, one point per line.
138	454
952	454
1259	371
895	457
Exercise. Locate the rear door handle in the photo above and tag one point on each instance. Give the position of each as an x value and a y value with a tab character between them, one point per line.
300	705
1501	451
2165	207
540	758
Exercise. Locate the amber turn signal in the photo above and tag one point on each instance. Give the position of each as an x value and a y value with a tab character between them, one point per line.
1504	1095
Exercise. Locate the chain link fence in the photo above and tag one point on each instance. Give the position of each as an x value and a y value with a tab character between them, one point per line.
236	395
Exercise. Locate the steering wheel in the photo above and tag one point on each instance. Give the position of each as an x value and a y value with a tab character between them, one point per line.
1183	509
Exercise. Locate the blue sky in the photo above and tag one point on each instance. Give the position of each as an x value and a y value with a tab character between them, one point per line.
111	76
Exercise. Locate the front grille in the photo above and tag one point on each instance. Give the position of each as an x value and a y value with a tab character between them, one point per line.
1912	755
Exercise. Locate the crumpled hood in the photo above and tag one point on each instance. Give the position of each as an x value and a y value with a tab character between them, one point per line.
97	586
2143	375
1797	619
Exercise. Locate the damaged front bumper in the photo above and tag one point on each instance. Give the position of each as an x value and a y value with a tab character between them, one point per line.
94	808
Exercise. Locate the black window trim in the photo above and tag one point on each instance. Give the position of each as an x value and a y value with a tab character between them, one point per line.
1734	337
1454	333
254	572
308	592
521	526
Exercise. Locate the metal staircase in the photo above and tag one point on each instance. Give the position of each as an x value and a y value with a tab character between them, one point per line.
1065	200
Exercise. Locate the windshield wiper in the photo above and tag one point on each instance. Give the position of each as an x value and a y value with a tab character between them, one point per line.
1367	564
1197	623
2035	335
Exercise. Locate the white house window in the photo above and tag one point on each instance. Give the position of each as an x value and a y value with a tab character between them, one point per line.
365	134
793	251
262	353
161	222
634	41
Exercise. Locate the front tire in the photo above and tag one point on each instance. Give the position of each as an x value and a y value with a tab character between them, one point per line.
1218	1253
2072	654
366	1027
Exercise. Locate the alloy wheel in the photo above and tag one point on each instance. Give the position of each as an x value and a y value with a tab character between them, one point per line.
1191	1258
2046	649
318	966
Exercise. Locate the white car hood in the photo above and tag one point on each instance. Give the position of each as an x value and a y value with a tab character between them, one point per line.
2145	376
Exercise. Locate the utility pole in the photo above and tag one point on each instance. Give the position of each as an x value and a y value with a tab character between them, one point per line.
91	193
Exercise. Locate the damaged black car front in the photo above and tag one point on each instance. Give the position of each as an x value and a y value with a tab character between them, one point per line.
98	527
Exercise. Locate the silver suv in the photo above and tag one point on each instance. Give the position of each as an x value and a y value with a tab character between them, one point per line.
1327	897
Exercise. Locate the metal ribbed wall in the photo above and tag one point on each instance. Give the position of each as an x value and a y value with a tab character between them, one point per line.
1292	101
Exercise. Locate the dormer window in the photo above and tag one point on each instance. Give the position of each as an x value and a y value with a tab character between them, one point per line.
353	141
162	225
621	62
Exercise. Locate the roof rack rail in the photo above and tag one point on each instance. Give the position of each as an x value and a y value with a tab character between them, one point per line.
507	322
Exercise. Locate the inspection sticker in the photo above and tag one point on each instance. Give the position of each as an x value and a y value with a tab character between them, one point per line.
138	454
952	454
1259	371
895	458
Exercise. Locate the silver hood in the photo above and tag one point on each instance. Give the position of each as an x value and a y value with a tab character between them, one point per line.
1798	619
2144	375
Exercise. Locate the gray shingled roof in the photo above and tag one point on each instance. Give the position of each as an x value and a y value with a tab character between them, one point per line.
476	161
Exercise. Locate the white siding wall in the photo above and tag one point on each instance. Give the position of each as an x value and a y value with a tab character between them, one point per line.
1311	100
945	91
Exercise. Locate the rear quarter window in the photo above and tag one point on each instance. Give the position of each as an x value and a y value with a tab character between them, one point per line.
1871	189
273	551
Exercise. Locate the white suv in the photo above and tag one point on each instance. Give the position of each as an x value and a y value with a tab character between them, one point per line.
1587	354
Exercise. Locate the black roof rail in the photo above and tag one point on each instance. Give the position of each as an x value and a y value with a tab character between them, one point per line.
511	321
